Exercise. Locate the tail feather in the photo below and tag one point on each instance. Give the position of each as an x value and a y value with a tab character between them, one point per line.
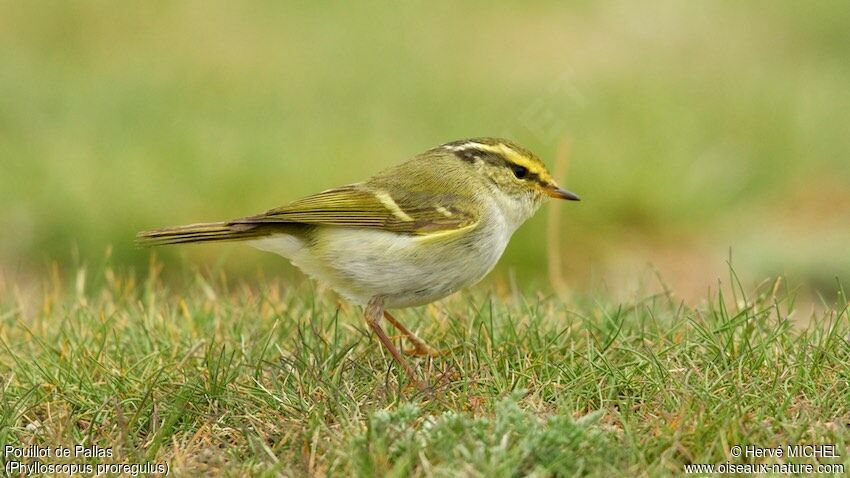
204	232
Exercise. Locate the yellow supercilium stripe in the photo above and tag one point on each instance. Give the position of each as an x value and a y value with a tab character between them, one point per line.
501	149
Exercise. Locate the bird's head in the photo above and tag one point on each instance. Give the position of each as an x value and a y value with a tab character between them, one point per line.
514	174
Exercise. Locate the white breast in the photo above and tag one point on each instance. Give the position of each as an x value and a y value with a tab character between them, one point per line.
406	270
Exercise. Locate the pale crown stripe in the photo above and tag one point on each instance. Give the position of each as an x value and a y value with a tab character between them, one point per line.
499	148
467	145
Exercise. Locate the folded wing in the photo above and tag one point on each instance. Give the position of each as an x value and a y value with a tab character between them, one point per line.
357	206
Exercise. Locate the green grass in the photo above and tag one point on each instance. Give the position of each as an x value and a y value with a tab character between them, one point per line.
693	129
268	378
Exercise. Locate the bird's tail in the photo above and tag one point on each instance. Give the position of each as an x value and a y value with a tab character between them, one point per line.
205	232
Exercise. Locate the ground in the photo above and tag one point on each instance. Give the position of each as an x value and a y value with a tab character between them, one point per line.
268	378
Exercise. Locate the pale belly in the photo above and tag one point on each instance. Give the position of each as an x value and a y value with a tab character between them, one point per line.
404	270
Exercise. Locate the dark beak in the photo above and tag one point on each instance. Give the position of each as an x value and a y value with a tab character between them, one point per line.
558	193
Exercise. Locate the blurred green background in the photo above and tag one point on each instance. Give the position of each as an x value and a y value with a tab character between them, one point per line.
695	128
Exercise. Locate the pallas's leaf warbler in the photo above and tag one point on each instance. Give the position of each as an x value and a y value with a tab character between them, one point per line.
408	236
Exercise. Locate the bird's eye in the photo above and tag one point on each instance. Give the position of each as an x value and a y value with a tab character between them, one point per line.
520	171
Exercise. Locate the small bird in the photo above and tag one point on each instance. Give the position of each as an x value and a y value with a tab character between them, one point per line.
410	235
